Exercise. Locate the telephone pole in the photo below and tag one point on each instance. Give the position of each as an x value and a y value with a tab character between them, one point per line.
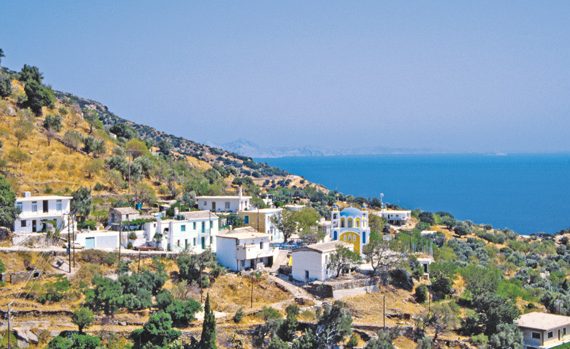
9	329
69	240
384	311
73	235
120	236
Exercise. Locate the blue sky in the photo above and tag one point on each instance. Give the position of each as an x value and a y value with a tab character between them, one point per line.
467	76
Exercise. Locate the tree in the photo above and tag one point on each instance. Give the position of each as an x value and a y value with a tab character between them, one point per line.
164	147
92	118
427	217
277	343
342	259
122	130
52	124
81	203
307	341
157	331
5	85
376	223
380	254
208	338
383	341
82	318
289	326
77	341
421	294
38	96
286	223
106	295
462	229
17	156
73	139
22	129
135	148
442	318
508	336
183	312
93	145
144	193
30	73
334	324
93	167
8	210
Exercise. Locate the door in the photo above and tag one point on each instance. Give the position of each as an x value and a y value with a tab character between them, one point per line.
90	243
34	226
203	242
45	206
306	275
213	205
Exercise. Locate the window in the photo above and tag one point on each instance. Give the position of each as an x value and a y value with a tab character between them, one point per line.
194	226
564	331
261	245
178	243
211	240
58	205
246	219
211	224
363	237
183	228
203	227
19	206
34	206
24	223
227	205
194	242
535	335
550	334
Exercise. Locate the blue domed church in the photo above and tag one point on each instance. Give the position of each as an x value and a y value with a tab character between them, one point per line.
350	225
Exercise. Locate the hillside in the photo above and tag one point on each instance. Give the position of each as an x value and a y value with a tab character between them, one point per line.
69	142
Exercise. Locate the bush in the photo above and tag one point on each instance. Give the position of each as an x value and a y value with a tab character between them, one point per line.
238	316
401	278
421	293
269	313
87	224
5	86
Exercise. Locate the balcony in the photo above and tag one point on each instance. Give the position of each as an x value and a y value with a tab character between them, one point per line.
252	251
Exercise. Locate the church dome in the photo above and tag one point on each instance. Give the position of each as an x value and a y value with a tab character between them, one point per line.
350	212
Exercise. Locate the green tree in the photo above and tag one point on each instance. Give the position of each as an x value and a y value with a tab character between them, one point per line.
380	254
8	210
135	148
95	146
73	139
81	203
5	85
277	343
17	157
22	129
92	118
208	338
334	324
183	312
38	96
285	223
307	341
384	340
157	332
508	336
93	167
77	341
82	318
289	326
52	125
30	73
342	259
105	296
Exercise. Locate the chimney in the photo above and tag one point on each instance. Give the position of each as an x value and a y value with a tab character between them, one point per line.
27	194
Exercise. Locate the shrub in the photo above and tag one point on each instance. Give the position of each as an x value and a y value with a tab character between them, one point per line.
421	293
87	224
401	278
238	316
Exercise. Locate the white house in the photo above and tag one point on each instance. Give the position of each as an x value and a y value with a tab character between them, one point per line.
350	225
118	215
396	217
294	207
34	211
264	221
310	263
193	231
226	203
98	239
543	330
244	248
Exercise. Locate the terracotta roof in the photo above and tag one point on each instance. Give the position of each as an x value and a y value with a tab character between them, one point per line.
543	321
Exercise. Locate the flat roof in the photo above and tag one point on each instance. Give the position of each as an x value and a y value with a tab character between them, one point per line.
263	210
125	210
543	321
323	247
396	211
223	197
197	214
243	233
43	197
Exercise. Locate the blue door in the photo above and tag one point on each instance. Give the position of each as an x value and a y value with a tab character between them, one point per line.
90	243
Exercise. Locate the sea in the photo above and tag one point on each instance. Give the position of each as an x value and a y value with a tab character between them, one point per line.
525	193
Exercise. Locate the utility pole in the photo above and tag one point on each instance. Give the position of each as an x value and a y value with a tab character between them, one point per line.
384	311
9	329
139	260
251	294
69	240
120	236
73	235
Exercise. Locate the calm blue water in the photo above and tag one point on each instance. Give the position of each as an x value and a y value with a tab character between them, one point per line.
526	193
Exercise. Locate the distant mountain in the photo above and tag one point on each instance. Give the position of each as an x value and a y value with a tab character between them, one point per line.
246	147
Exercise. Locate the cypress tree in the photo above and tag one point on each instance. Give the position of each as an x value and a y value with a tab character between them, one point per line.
208	339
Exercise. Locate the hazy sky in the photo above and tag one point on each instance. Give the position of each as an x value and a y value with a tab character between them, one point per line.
446	75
